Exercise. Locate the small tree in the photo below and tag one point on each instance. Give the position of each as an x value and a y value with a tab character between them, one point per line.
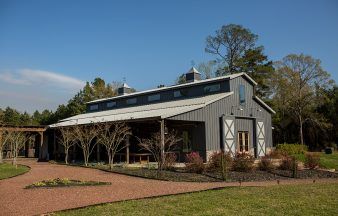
18	140
112	135
86	135
67	139
153	145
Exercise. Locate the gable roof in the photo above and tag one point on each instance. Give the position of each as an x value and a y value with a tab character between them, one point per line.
197	82
157	110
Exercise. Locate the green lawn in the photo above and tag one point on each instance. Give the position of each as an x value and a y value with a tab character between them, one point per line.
329	161
8	170
314	199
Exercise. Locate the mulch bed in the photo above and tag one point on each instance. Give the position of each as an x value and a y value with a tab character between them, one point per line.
180	175
306	174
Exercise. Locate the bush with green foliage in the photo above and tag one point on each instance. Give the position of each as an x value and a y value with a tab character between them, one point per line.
312	160
292	149
243	162
266	164
194	163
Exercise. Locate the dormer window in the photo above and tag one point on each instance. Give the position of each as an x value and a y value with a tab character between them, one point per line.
241	94
111	104
212	88
154	97
131	101
93	107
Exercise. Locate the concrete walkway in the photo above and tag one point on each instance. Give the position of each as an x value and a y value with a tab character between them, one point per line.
15	200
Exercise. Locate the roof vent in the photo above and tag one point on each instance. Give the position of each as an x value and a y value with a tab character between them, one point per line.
124	89
192	75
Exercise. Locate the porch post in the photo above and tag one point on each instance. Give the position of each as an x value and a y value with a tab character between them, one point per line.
127	149
41	144
54	145
162	140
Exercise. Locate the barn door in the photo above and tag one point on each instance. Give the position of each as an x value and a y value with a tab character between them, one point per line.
229	135
260	138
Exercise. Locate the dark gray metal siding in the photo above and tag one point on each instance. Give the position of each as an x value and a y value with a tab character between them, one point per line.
166	95
212	113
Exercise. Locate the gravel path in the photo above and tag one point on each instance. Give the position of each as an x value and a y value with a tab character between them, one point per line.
15	200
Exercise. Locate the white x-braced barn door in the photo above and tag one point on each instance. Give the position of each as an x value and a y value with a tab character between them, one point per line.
229	135
260	138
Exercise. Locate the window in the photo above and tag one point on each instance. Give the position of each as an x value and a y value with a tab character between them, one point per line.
241	94
131	101
243	141
154	97
186	141
177	94
212	88
111	104
93	107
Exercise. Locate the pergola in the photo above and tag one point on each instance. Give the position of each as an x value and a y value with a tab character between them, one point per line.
30	129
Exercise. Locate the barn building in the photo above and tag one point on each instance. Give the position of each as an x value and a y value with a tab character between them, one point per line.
209	115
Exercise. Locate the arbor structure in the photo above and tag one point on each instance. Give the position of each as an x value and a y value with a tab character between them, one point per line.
299	82
67	139
158	147
112	136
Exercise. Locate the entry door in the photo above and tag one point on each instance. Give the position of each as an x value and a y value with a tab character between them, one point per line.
260	138
243	141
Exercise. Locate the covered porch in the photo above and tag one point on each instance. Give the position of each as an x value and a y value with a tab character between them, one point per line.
190	133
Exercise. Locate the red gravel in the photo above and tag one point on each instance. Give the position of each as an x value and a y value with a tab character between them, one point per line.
15	200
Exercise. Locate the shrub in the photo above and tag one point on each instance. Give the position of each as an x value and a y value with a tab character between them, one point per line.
266	164
243	162
278	154
312	160
215	162
169	162
292	149
194	163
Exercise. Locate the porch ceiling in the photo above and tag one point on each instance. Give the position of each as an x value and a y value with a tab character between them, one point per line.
157	110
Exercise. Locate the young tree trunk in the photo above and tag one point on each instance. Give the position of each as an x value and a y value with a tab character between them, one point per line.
1	156
301	130
66	156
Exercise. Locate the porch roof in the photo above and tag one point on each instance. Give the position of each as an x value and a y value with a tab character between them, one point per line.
157	110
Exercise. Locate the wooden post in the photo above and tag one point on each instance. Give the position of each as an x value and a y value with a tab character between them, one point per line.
162	140
41	144
54	145
127	149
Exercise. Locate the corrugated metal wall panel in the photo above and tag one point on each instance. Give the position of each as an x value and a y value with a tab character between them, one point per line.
228	106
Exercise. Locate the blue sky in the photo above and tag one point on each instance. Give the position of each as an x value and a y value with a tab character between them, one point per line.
49	48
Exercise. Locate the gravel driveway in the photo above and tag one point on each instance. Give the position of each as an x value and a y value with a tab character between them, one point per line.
15	200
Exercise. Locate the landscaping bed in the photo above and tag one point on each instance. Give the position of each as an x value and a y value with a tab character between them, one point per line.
58	182
306	173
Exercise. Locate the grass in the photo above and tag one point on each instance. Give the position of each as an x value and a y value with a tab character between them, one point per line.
328	161
8	170
314	199
64	182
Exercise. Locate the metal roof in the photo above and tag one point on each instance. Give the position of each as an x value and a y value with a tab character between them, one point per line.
157	110
197	82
